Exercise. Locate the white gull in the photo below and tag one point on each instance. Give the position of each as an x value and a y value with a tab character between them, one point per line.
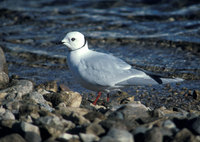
103	72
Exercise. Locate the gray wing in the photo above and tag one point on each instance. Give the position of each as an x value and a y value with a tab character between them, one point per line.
106	70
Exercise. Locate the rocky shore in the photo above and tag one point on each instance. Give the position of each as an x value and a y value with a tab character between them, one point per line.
52	113
4	79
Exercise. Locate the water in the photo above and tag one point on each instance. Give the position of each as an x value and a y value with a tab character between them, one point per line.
159	36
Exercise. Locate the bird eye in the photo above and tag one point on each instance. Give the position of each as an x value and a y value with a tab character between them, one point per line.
72	39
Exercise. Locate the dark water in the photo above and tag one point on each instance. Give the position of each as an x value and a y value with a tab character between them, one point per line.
157	35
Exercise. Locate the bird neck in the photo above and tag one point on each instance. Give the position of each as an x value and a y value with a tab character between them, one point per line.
82	50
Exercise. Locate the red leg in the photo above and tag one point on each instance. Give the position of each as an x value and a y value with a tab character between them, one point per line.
108	97
99	95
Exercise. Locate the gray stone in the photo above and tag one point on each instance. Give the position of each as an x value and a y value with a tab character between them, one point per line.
29	108
2	111
97	107
139	133
95	129
111	123
20	88
12	138
8	123
169	124
67	137
116	115
93	115
134	111
31	132
26	118
4	79
196	95
168	133
54	125
2	95
108	139
71	99
185	136
12	105
3	64
138	130
88	137
6	115
47	87
154	135
66	110
163	112
39	99
196	125
75	118
120	135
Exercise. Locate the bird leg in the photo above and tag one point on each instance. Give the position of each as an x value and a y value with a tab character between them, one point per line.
108	97
99	95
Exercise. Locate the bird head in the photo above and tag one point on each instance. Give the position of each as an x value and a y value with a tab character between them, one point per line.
74	40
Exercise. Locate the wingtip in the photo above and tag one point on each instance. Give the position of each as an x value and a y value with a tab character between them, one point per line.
179	79
171	80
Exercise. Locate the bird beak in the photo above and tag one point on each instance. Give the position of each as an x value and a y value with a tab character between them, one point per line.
59	42
65	42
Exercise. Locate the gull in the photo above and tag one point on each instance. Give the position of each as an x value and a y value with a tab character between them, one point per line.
103	72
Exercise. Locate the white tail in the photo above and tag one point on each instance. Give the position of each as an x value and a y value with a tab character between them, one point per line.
171	80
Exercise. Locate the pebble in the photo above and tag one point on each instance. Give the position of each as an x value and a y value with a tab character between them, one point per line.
54	125
19	88
164	112
127	100
153	135
112	123
169	124
2	111
139	130
3	64
93	115
48	87
120	135
66	110
107	139
6	115
116	115
72	114
138	133
185	136
31	132
67	137
71	99
39	99
12	138
12	105
76	118
4	79
134	111
196	95
48	117
88	137
196	125
95	129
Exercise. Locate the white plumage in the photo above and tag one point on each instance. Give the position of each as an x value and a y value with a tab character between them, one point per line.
103	72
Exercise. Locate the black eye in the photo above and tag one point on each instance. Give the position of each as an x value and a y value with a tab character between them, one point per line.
72	39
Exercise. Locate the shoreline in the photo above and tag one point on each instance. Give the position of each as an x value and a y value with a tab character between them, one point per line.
51	112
